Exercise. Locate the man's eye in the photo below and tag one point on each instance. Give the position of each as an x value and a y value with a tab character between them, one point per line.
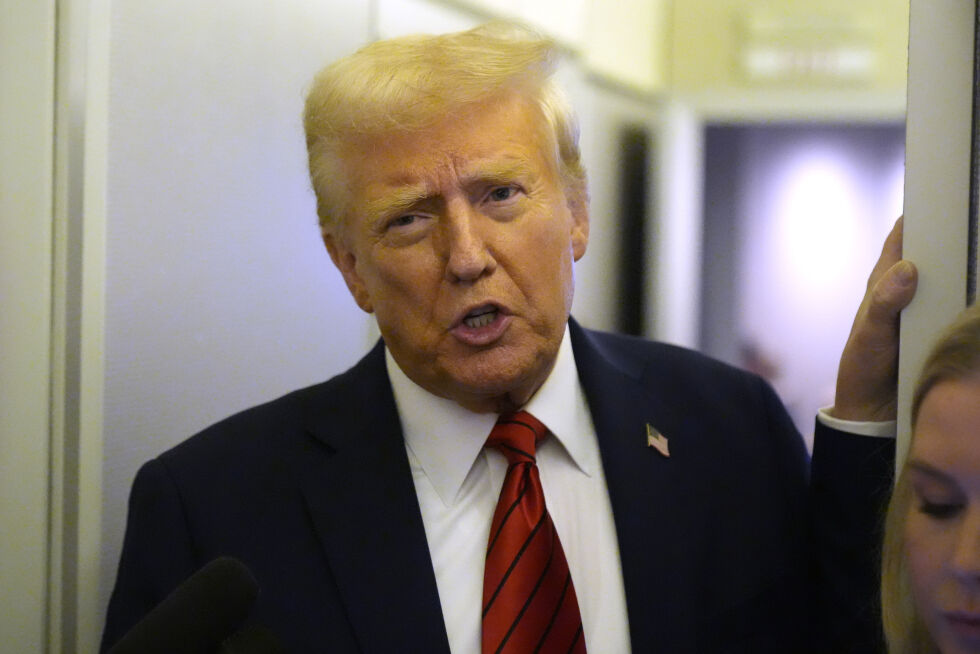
501	193
403	221
939	510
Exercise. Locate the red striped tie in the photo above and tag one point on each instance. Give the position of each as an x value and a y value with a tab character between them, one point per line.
529	602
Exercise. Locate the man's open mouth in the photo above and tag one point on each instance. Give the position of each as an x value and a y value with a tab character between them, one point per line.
480	317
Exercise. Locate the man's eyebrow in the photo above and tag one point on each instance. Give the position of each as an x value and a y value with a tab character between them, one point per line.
501	171
397	200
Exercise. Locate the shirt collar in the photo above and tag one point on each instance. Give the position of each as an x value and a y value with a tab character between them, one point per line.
446	439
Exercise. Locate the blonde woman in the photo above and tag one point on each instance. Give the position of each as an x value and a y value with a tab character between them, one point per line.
931	560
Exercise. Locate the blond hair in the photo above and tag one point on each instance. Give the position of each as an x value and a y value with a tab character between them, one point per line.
956	355
412	82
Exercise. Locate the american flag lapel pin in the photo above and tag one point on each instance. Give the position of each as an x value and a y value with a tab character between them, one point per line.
657	441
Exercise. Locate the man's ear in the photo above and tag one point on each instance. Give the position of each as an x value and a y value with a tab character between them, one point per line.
346	261
577	197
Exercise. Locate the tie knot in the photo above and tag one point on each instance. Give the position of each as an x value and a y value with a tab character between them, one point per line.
516	435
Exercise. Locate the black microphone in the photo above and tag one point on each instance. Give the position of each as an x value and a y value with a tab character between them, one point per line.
202	615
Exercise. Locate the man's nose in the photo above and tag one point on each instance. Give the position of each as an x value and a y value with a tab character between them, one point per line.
966	557
467	254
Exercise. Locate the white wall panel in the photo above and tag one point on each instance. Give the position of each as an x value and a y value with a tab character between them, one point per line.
937	178
219	294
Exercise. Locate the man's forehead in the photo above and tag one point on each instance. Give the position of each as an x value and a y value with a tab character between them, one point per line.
506	113
425	159
505	140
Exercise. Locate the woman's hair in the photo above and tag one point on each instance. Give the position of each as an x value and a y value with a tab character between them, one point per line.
412	82
956	355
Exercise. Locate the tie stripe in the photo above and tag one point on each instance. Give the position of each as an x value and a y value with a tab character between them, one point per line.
551	622
527	603
503	523
517	559
504	446
528	596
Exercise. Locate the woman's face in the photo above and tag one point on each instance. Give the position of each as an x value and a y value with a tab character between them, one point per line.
942	531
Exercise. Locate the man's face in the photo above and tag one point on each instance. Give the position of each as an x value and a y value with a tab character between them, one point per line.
461	238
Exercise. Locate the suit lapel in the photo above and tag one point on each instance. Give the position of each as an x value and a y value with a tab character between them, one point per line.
363	505
651	495
362	502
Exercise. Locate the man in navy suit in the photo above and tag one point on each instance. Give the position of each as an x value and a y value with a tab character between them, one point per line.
452	200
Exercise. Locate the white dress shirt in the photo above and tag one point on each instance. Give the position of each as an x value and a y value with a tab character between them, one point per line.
458	481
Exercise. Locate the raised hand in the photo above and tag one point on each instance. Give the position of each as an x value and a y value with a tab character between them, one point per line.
867	377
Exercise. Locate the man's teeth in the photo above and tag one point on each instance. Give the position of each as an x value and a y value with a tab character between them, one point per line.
481	320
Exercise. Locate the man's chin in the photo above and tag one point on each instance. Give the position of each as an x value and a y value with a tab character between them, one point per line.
492	384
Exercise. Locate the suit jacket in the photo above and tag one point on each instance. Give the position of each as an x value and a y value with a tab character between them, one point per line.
736	543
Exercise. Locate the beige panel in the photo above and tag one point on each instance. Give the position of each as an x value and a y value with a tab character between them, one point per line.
78	287
26	105
709	37
627	42
88	629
